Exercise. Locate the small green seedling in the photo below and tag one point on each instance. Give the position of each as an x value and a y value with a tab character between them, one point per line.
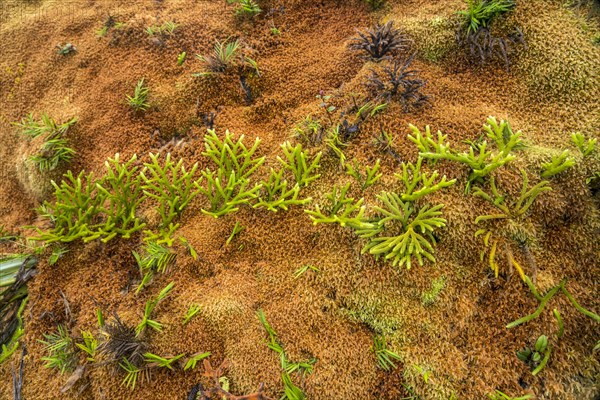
193	360
191	313
305	268
536	358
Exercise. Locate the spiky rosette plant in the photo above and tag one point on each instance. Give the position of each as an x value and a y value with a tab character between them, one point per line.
380	41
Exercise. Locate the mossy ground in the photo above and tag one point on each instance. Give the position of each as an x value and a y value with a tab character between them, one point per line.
460	340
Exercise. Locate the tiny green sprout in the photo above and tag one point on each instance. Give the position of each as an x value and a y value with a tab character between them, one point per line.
89	345
275	31
194	359
139	100
305	268
100	317
161	362
189	246
57	253
150	306
131	373
66	49
181	58
384	356
236	229
586	147
191	313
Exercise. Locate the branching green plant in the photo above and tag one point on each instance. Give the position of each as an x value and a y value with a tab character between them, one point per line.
558	164
157	361
60	349
139	100
520	207
512	212
296	161
300	271
194	359
150	306
74	211
192	311
232	156
90	208
586	147
411	230
275	195
370	177
546	298
155	258
418	184
89	345
122	192
227	188
385	357
342	210
480	160
173	187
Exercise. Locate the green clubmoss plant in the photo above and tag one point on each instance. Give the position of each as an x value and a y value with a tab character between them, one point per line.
275	195
370	177
342	209
173	187
296	161
558	164
586	147
479	159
